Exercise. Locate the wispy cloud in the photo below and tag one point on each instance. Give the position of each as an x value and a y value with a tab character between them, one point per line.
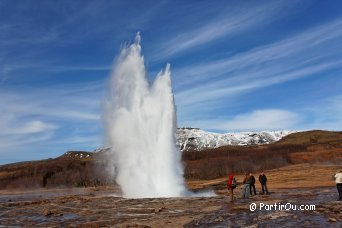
30	127
42	41
68	102
325	113
50	119
221	89
230	22
294	52
24	143
268	119
303	55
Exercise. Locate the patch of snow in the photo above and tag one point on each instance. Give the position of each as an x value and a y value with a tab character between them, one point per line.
196	139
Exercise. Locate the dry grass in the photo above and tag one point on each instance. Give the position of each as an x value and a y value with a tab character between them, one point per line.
303	176
313	137
288	177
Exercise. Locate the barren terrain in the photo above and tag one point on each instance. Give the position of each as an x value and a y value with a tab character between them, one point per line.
302	184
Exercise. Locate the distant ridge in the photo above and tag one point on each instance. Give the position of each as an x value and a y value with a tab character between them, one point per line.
197	139
312	137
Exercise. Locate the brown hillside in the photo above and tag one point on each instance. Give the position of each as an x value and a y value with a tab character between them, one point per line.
302	147
313	137
69	170
81	168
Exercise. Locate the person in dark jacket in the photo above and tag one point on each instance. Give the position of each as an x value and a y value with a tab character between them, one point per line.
263	181
252	184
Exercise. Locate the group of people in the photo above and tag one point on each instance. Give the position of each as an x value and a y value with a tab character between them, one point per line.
248	185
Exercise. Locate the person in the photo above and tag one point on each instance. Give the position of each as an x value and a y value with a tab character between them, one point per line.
252	184
245	191
338	180
231	185
263	181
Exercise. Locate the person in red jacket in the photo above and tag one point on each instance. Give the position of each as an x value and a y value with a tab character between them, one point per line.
231	185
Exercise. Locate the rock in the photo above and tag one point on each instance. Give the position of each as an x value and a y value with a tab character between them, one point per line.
157	210
332	220
219	219
48	212
137	226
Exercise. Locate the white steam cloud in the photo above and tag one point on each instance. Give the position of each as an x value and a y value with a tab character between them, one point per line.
140	123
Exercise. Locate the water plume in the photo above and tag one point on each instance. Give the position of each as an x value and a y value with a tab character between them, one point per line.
140	123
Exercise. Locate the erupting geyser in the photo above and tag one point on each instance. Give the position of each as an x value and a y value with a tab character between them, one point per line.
140	123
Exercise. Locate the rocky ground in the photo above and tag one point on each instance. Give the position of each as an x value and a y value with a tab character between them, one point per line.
100	207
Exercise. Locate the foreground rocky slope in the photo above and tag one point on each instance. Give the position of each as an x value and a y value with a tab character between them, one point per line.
103	207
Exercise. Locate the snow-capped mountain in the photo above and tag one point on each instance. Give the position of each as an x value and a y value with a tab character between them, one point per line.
196	139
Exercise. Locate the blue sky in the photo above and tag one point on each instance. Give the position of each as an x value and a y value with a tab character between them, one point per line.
236	66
